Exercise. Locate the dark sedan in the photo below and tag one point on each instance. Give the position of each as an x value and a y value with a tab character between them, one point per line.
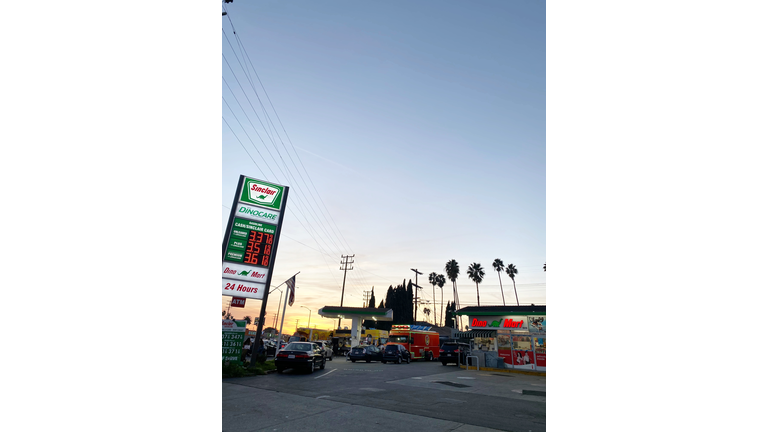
365	352
300	355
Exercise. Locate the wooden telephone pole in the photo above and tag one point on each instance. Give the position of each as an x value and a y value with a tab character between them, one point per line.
346	263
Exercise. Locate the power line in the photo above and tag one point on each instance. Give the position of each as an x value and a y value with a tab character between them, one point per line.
287	137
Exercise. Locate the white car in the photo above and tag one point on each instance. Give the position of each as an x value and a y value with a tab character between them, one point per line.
327	349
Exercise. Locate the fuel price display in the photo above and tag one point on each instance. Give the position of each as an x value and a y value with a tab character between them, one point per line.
250	243
258	249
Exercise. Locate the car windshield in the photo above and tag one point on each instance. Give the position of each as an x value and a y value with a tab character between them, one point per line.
294	346
402	339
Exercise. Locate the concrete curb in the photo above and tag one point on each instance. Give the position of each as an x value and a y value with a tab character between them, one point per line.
518	371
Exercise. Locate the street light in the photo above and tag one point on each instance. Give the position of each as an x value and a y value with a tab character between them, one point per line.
310	315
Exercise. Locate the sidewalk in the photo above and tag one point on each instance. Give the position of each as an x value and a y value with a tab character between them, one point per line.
518	371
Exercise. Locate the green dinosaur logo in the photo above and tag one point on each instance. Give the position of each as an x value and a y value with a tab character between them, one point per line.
243	273
262	196
495	323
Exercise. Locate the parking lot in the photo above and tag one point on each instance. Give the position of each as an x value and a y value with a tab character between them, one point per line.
361	395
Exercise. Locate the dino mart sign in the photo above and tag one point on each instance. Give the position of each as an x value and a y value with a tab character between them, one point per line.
532	323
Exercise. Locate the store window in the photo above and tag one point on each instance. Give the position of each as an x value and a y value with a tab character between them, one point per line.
485	344
504	343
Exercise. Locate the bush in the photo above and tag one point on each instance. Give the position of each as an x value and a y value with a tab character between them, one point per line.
232	370
253	369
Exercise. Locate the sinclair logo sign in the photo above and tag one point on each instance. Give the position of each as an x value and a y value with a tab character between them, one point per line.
262	194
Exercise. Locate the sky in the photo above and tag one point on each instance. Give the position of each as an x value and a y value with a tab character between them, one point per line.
408	136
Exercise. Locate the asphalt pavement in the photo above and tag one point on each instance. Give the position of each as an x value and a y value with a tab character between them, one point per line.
370	396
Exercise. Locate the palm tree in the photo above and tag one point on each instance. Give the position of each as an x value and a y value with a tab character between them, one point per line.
452	271
512	271
498	265
433	282
247	320
476	273
427	311
440	280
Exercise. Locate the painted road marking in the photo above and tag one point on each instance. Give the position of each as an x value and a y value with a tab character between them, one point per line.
330	372
464	378
320	397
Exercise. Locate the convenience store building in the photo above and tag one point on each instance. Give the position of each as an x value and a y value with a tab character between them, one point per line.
516	334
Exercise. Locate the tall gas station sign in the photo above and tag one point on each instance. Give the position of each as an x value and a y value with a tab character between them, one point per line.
250	241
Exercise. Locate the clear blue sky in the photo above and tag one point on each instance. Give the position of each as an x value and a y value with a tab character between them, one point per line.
420	124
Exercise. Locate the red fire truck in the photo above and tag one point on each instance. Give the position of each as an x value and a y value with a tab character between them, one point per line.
422	343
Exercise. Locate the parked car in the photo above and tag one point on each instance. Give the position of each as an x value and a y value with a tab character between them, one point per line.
300	355
453	352
365	352
326	349
271	346
395	353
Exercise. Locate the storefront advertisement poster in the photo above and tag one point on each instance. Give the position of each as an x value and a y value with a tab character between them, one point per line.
506	354
540	345
537	323
522	357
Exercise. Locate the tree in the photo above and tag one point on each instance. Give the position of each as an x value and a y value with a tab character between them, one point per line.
545	266
452	271
427	311
512	271
449	309
498	265
409	301
371	304
379	325
440	284
433	282
389	304
476	273
247	320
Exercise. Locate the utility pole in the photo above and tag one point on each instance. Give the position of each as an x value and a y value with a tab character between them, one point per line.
366	297
416	300
345	263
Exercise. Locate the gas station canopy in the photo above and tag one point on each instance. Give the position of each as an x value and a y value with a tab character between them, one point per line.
357	315
376	314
